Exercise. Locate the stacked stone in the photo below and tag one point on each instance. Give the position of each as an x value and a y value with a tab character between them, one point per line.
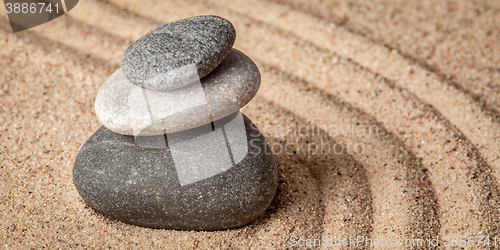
174	151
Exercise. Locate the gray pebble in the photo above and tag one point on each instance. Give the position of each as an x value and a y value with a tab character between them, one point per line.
128	109
156	60
170	187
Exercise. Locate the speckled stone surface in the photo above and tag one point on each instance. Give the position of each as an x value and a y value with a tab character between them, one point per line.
142	186
201	42
122	107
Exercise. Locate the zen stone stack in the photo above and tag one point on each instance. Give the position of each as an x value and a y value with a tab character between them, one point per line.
175	151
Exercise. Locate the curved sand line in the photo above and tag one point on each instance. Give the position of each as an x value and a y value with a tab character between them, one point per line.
469	64
63	71
345	193
314	39
389	171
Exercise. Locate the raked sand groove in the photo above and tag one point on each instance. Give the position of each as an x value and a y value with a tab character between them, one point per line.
360	98
469	64
346	193
395	171
454	105
432	169
315	38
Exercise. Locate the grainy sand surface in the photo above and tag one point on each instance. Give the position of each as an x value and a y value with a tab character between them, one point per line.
388	111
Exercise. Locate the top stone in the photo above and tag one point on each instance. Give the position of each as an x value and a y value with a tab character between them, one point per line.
160	59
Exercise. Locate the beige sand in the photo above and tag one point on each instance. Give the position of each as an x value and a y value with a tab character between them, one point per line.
422	76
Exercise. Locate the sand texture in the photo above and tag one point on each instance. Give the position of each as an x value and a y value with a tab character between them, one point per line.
388	111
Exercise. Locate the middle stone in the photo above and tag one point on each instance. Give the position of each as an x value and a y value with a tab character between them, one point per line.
126	108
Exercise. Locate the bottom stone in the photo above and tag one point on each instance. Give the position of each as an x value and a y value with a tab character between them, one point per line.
155	187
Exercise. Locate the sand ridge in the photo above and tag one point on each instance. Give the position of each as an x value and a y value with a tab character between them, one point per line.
426	75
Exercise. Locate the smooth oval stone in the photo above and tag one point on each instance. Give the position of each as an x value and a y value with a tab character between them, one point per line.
125	108
201	42
172	187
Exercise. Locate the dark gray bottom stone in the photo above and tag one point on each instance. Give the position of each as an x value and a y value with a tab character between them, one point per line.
141	185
